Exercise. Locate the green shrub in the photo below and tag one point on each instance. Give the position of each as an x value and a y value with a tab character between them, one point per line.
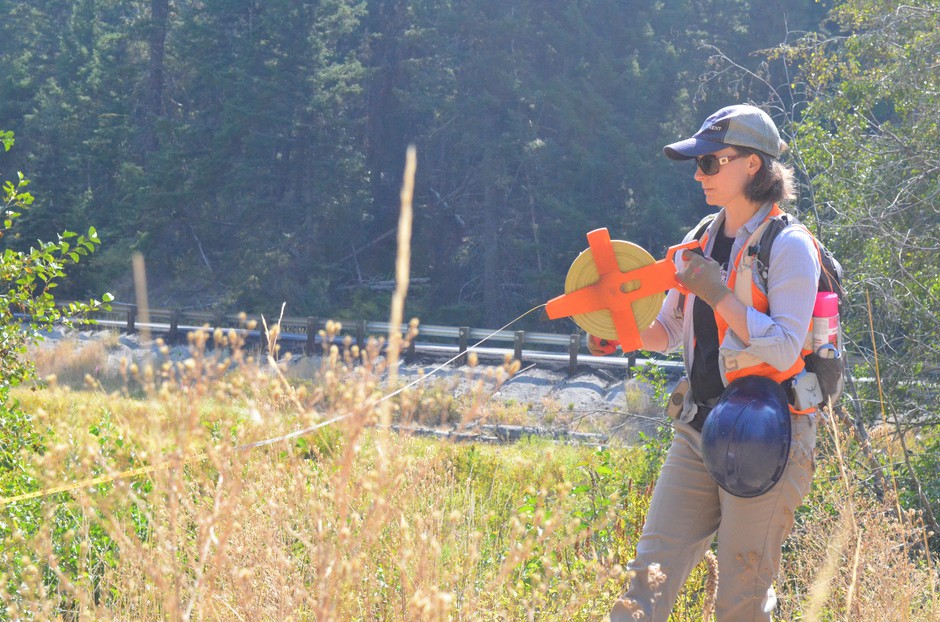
27	306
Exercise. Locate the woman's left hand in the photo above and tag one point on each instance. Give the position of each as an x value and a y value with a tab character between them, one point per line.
702	276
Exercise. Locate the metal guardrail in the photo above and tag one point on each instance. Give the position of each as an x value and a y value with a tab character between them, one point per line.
302	334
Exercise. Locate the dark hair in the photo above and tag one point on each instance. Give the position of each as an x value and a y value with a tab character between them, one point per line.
773	183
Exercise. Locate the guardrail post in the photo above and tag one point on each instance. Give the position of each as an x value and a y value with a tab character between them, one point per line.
216	324
518	340
631	363
131	319
410	352
174	335
463	335
574	344
262	339
361	337
312	327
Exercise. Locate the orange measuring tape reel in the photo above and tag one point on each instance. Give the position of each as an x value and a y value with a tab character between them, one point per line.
614	287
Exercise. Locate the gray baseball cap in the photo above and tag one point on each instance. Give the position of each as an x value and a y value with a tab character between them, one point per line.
738	126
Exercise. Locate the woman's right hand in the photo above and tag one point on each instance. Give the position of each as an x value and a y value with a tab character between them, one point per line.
601	347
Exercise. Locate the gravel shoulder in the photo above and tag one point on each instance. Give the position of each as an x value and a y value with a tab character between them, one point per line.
595	401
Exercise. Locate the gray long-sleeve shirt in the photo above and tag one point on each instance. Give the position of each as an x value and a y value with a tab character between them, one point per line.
775	338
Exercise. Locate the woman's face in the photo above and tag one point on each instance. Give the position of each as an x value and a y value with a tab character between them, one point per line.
727	185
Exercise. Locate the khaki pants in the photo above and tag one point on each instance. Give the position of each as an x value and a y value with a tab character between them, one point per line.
688	510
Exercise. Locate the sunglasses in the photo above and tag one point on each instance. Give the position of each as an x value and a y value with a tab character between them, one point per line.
710	164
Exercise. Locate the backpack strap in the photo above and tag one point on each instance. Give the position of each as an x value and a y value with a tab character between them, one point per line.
830	275
762	249
746	264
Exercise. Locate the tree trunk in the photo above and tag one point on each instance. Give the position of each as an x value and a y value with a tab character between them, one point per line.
385	138
492	309
159	13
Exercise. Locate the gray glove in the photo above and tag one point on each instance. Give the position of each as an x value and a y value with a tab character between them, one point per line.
702	277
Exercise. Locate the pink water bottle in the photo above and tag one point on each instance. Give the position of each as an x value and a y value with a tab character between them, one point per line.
826	335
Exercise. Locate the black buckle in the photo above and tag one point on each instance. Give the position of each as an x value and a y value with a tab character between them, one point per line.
788	389
701	413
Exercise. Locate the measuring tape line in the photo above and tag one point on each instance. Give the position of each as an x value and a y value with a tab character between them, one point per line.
103	479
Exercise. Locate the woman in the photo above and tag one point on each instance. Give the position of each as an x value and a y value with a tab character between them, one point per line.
736	152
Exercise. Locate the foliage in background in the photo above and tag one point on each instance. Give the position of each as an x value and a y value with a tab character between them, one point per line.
253	151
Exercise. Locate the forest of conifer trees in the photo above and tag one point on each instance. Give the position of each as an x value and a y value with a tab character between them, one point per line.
253	151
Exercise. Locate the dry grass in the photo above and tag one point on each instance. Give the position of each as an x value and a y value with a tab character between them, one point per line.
74	363
857	558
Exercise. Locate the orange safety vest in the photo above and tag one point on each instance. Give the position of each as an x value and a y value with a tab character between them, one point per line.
740	364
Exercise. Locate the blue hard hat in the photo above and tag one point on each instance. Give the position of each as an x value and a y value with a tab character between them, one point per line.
746	436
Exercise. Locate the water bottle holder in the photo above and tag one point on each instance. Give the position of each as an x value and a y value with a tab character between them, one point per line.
828	351
829	371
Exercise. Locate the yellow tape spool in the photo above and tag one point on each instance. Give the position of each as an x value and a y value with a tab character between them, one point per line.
583	272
